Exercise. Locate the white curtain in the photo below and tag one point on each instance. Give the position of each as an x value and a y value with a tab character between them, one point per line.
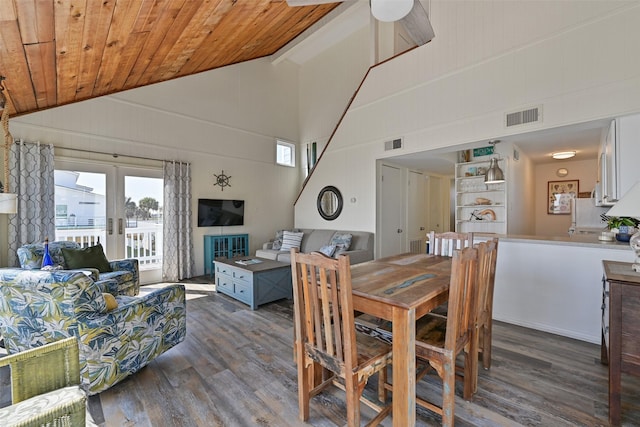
31	176
177	257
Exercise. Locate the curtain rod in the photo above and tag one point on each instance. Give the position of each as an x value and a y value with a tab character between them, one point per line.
115	155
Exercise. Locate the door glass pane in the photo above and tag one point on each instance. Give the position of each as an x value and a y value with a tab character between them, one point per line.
143	218
80	207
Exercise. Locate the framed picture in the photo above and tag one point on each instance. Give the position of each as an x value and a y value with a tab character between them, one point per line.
559	195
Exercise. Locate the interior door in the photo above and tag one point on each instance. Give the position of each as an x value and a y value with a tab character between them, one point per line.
416	212
118	206
434	203
391	225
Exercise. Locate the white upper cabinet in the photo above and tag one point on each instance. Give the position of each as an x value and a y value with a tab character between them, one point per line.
628	153
618	167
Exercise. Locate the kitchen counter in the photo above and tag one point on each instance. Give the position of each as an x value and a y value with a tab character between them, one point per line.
584	240
553	284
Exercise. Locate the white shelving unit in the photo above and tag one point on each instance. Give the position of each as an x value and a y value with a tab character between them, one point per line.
480	207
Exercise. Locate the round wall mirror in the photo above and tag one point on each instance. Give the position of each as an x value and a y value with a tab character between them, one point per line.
329	203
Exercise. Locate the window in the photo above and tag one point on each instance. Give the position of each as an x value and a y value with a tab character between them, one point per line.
285	153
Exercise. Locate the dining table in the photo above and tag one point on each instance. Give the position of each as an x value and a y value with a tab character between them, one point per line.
401	289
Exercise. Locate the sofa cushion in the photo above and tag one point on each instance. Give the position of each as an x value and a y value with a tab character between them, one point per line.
93	257
291	240
315	239
277	242
328	250
342	242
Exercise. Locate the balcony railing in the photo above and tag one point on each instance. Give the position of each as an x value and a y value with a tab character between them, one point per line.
143	242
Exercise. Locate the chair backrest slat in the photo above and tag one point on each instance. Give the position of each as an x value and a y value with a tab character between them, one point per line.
323	307
487	257
462	297
447	242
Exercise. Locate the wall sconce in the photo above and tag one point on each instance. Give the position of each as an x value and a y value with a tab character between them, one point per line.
494	174
8	203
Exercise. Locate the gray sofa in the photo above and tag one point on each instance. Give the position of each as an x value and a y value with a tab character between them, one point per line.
360	250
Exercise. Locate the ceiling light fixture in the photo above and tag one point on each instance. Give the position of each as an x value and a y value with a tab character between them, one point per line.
390	10
563	155
494	174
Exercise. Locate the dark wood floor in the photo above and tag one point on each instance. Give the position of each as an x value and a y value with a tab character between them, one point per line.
235	368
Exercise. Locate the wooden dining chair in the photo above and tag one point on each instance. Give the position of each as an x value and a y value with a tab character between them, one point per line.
445	243
439	340
487	258
325	335
483	313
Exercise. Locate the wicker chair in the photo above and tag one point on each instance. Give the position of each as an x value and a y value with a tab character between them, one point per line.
45	387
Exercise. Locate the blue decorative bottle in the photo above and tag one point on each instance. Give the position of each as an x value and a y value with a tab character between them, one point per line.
46	257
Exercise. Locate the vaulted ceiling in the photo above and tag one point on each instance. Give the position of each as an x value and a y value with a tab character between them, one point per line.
55	52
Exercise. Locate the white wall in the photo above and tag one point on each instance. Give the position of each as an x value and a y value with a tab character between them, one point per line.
573	58
327	83
225	119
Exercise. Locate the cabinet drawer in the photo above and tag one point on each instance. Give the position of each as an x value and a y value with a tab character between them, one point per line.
224	270
224	284
243	291
242	276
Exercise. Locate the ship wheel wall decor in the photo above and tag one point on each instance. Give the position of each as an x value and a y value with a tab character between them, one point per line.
222	180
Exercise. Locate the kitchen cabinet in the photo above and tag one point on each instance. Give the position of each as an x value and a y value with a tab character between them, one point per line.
480	207
628	152
617	159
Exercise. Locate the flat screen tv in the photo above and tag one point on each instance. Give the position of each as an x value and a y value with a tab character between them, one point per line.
218	212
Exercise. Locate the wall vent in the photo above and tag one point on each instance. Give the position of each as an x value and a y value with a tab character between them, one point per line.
516	118
393	145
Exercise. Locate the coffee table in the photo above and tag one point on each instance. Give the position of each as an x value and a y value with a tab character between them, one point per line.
253	280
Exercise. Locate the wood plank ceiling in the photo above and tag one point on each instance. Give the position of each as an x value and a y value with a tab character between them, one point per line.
55	52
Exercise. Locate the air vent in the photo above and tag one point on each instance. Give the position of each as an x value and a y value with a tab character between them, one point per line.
393	145
523	117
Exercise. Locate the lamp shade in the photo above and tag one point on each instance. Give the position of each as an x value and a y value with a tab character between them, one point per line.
8	203
494	174
629	204
390	10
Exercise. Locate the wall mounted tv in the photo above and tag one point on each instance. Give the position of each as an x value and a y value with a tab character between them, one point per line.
218	212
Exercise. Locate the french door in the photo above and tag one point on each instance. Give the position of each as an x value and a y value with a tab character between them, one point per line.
118	206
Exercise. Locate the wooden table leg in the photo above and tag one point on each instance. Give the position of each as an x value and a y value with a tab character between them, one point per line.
404	367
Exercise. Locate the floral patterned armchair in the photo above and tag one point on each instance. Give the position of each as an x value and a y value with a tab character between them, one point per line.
125	271
38	307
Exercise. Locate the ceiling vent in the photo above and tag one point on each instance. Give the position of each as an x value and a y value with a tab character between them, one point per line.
393	145
516	118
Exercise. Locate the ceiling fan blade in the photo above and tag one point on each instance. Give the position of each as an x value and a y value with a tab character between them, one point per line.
418	25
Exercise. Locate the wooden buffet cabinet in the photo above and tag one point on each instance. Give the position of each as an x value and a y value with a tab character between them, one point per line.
620	328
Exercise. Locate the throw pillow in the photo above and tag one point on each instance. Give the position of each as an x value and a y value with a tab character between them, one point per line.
277	242
328	250
112	304
342	241
92	257
290	240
